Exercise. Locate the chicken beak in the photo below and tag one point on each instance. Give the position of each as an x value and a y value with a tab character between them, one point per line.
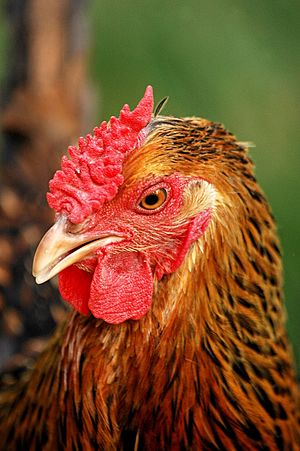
59	249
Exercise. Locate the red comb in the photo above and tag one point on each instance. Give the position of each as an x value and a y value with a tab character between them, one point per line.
93	173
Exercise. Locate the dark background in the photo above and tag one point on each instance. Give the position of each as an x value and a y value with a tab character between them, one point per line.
233	61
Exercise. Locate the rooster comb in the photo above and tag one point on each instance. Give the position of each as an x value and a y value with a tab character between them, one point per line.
93	173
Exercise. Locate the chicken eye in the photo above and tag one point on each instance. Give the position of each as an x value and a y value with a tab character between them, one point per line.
154	200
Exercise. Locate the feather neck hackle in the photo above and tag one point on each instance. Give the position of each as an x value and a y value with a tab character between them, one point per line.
93	173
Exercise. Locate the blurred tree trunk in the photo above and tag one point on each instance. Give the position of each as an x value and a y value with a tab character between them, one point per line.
45	107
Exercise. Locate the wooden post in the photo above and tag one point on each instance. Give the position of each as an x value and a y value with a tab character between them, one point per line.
45	107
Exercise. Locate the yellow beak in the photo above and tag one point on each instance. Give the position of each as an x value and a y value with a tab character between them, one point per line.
59	249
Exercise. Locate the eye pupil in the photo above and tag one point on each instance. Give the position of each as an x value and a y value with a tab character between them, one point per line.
154	200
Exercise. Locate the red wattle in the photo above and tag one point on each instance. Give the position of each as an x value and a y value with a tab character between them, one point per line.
74	286
119	289
122	287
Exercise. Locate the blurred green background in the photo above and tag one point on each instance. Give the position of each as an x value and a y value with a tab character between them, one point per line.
233	61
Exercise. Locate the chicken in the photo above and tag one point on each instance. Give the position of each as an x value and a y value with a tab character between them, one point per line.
166	248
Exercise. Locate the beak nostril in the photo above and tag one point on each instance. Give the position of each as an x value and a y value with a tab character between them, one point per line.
74	229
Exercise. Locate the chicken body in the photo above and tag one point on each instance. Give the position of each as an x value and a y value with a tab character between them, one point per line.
208	367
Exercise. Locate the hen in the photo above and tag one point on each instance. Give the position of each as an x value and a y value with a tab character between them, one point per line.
166	248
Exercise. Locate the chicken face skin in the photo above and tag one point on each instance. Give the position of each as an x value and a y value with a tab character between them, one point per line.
144	232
